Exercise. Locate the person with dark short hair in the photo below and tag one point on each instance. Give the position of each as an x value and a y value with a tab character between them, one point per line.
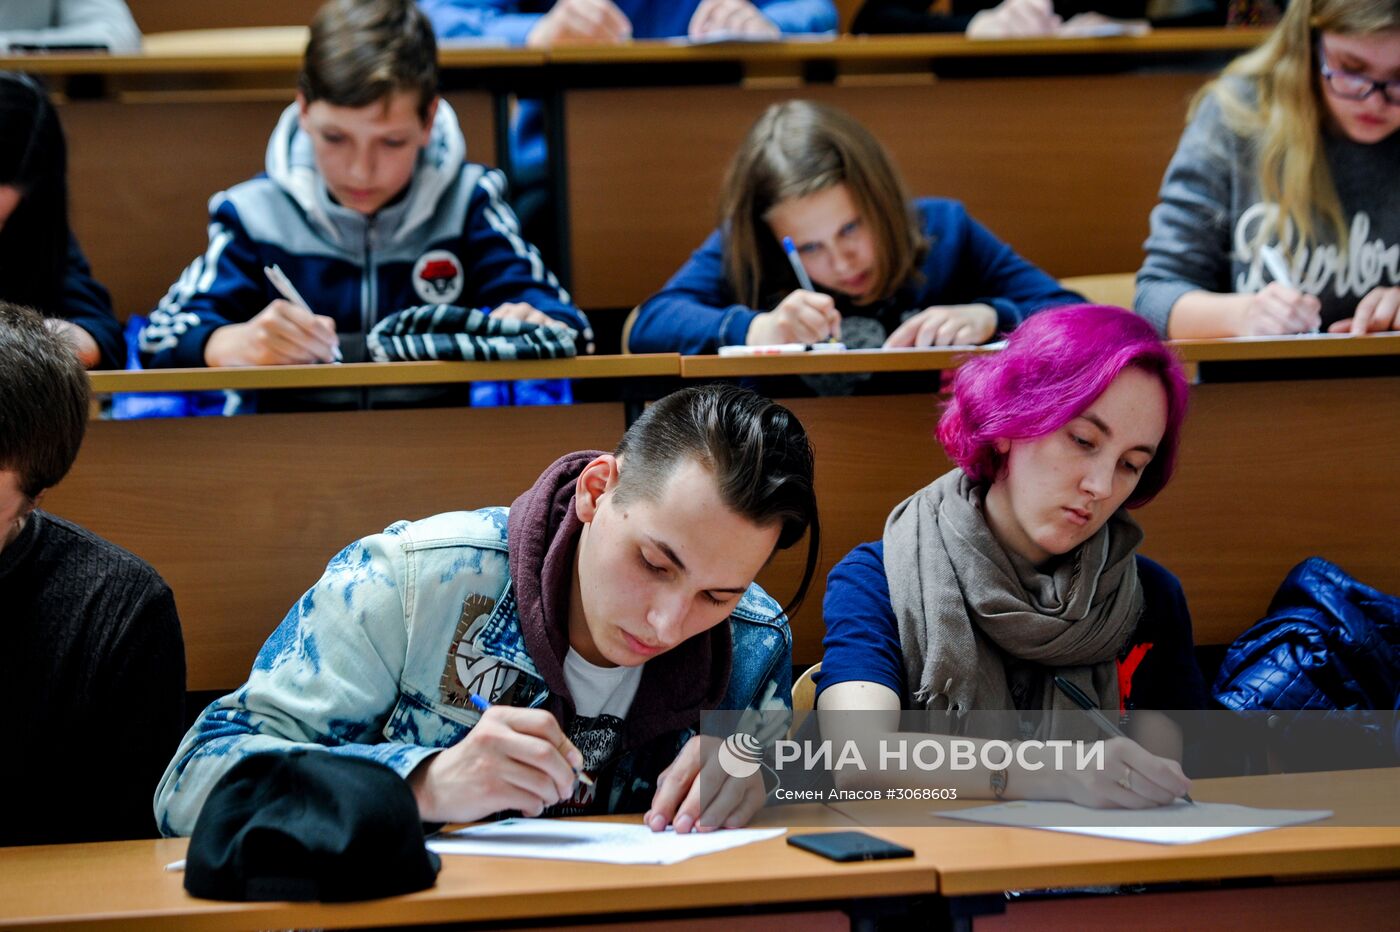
490	657
92	678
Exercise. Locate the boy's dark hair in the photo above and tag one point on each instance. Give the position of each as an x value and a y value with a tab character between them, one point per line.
361	51
33	160
44	397
757	450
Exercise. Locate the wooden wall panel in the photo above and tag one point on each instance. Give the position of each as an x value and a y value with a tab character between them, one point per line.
240	515
1065	169
168	15
142	172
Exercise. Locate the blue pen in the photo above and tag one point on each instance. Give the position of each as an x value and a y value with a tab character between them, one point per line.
800	271
481	705
802	277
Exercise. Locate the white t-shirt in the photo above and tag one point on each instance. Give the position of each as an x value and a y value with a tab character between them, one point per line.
599	690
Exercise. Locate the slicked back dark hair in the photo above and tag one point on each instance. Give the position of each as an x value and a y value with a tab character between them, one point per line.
44	397
756	449
361	51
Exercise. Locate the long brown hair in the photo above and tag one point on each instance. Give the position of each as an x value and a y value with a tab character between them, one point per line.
1277	108
797	148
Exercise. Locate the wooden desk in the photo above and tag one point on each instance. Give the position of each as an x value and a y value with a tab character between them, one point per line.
974	861
932	359
121	885
372	374
1052	143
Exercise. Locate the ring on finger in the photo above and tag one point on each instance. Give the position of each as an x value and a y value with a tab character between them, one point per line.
1126	781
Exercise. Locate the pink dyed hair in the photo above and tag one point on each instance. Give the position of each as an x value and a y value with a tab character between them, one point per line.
1054	366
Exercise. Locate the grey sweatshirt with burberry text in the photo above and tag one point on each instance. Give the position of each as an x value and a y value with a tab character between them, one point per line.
1210	209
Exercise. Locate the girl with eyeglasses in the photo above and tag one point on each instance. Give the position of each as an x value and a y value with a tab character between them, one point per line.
1293	148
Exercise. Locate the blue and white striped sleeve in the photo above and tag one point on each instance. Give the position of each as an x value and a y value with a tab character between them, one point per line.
502	267
223	286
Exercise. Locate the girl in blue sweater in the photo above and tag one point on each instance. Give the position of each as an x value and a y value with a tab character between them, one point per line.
888	270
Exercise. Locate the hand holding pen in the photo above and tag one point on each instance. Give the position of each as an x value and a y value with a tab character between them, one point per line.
1279	307
311	320
1137	771
804	316
512	759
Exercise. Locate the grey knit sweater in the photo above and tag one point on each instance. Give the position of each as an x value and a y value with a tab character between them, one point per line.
1209	210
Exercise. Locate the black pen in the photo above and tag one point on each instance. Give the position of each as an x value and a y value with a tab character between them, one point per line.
1076	695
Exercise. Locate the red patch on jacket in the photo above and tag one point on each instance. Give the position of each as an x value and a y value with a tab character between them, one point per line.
1127	666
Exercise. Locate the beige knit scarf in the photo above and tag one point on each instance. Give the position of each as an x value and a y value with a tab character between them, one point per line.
982	629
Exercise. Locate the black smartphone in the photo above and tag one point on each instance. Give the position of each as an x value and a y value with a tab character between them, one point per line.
849	846
33	47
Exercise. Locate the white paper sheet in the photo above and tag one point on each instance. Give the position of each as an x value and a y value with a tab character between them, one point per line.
1178	824
607	842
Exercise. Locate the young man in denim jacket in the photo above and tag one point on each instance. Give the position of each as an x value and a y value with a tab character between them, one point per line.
591	615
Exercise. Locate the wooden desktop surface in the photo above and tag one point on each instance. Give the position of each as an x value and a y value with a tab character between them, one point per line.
370	374
122	885
983	859
918	360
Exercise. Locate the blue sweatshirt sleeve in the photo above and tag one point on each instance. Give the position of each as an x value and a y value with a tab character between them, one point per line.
800	15
87	304
695	312
501	267
224	286
484	19
862	635
984	269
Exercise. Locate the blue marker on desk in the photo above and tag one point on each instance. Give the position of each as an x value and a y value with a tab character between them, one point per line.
481	705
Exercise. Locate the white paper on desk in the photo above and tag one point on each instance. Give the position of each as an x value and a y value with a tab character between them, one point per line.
1178	824
607	842
725	37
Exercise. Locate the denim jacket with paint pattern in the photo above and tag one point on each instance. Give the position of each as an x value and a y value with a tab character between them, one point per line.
379	657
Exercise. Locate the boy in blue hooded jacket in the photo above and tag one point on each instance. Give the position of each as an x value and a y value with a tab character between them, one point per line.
367	205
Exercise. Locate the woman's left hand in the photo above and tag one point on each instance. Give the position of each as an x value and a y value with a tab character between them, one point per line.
947	325
1379	310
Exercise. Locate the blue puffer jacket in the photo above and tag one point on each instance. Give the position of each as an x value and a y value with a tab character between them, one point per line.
1328	643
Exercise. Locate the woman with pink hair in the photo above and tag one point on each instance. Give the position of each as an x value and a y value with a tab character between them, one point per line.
1012	584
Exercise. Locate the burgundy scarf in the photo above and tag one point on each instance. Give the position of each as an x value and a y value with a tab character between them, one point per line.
543	532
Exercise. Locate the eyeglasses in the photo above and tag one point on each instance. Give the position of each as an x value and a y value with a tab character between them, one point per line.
1352	86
